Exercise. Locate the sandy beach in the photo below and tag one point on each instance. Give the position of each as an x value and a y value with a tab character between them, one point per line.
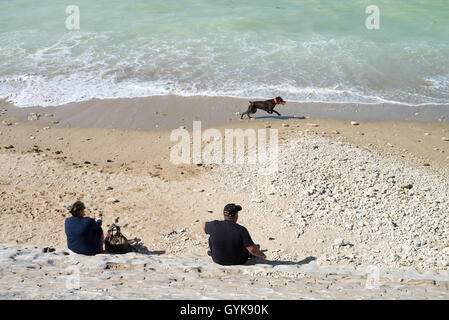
135	109
346	194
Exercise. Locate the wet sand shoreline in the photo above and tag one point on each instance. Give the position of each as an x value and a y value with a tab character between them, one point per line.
169	112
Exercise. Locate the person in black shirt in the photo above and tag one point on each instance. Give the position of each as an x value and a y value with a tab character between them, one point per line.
229	242
84	235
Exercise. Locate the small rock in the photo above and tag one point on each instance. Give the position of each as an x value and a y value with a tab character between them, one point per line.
445	139
406	186
339	242
198	190
299	232
33	116
355	123
54	121
49	115
66	205
112	200
285	125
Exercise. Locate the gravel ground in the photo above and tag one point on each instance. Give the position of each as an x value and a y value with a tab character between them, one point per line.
388	214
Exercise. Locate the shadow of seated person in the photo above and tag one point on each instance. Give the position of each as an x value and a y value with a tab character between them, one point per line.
255	261
138	246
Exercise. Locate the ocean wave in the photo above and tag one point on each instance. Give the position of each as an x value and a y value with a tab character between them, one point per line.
82	66
43	91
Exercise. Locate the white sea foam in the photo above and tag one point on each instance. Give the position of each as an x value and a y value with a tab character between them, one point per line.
60	91
81	66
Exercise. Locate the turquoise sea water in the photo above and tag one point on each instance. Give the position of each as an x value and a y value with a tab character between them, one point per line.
316	50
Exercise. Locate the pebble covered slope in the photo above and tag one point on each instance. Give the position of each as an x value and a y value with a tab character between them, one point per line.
386	213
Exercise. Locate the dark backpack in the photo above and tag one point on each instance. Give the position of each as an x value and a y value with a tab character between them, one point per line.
115	241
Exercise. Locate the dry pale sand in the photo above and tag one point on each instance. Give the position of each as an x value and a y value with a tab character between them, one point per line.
129	160
98	155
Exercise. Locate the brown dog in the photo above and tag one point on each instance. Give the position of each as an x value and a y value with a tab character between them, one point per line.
267	105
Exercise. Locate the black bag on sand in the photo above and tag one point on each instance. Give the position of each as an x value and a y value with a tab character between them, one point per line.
115	241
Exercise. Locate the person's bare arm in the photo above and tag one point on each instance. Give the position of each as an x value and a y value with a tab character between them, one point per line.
255	251
204	226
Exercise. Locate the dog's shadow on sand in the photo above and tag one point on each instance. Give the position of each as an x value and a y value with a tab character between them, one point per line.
274	263
280	117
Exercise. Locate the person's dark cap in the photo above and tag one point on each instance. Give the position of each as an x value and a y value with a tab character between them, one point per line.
231	209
